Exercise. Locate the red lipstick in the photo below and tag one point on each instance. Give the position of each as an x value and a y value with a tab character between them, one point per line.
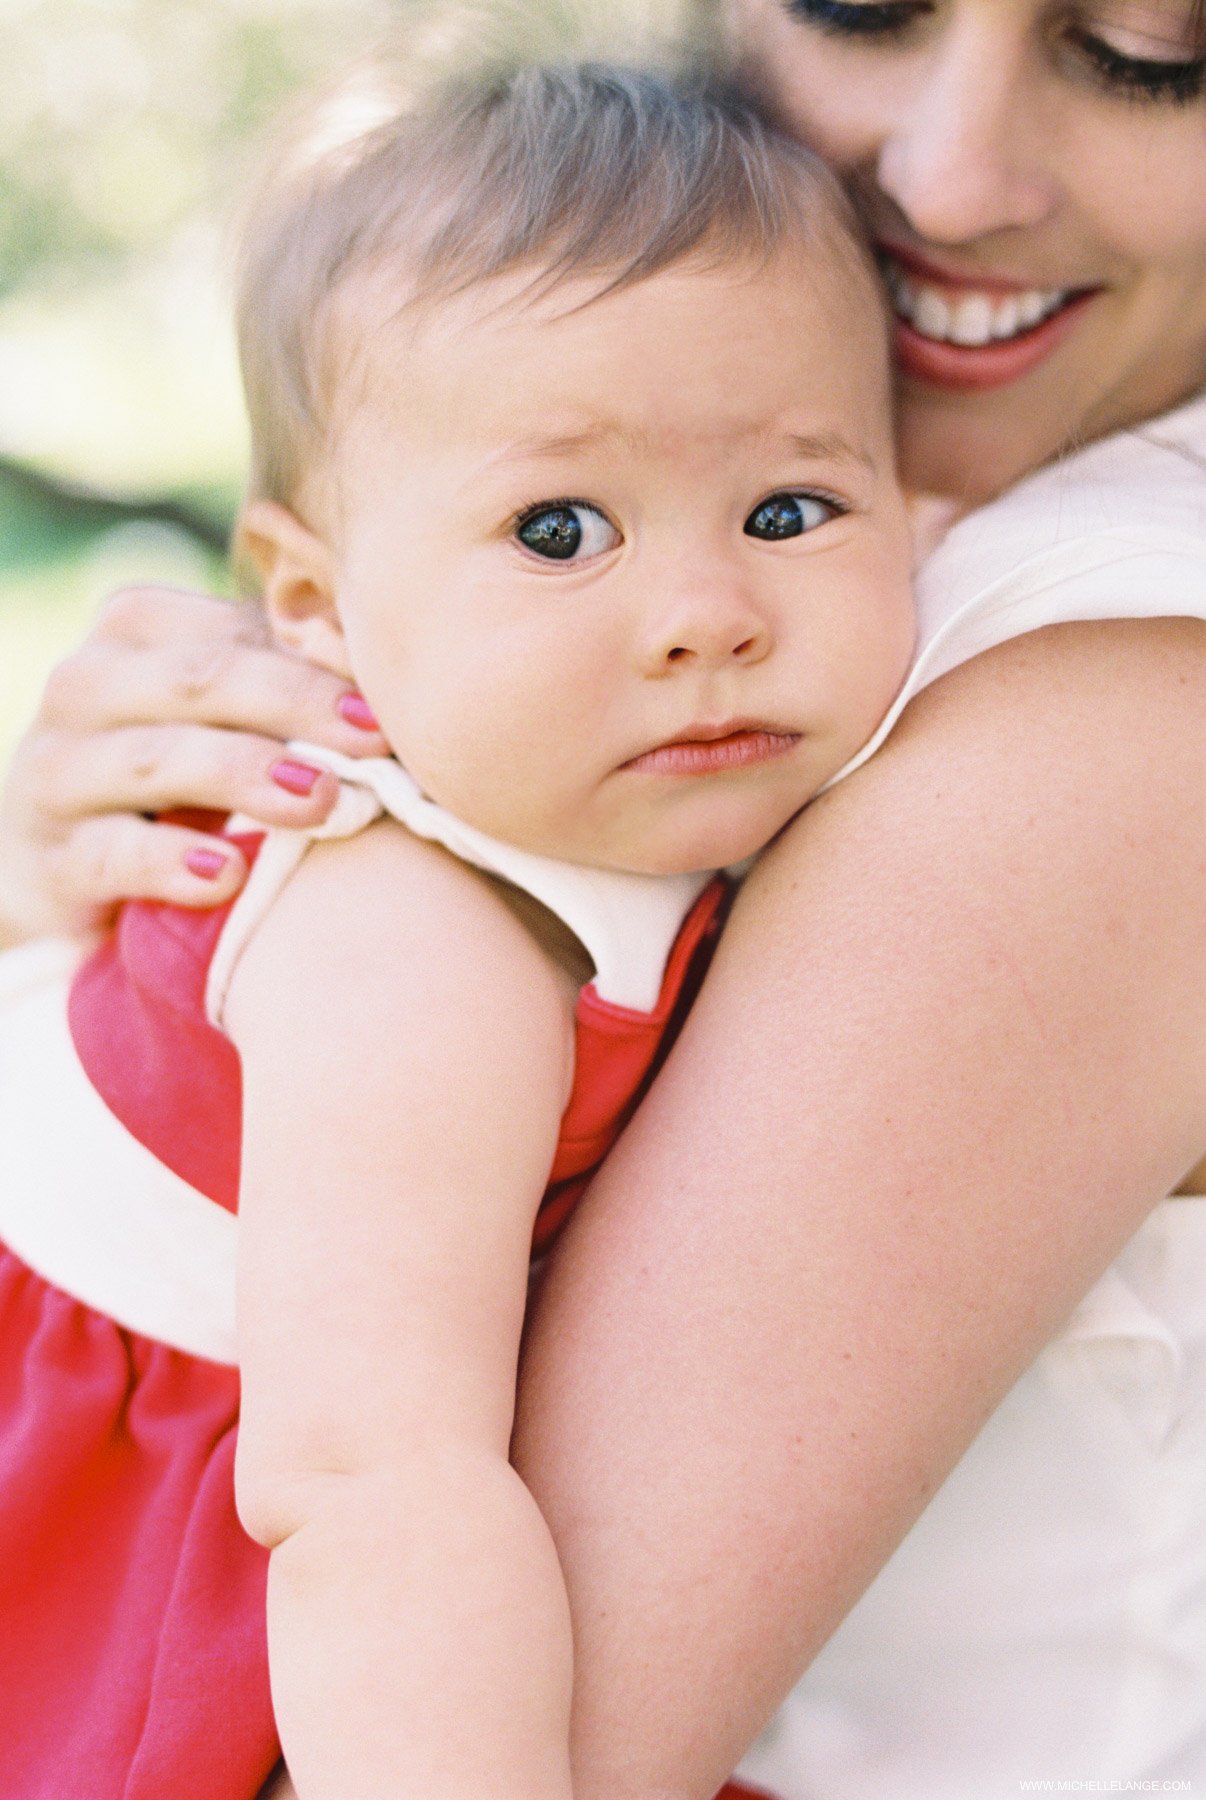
938	360
961	368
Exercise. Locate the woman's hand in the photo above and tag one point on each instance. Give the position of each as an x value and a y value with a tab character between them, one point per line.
174	701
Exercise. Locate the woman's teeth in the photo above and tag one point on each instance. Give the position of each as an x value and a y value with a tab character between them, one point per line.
969	318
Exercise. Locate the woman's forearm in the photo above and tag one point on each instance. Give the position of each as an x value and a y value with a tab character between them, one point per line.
948	1057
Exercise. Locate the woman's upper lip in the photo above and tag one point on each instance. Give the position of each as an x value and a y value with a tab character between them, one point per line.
934	269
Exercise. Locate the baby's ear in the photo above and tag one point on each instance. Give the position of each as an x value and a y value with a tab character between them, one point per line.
296	577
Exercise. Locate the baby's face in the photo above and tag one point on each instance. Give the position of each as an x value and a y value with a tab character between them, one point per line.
627	582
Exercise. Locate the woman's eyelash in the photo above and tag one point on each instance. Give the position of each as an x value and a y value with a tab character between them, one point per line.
1138	78
1141	78
858	18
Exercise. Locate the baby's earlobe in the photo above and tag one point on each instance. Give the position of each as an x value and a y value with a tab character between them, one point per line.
296	578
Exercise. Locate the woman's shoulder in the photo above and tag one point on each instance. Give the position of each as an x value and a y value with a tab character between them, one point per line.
1115	530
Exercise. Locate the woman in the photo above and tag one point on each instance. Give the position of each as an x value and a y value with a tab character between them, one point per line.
950	1059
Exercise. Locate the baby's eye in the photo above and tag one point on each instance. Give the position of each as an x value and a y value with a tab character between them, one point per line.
789	516
570	531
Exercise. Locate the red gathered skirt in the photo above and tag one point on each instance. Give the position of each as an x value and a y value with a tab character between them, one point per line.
133	1649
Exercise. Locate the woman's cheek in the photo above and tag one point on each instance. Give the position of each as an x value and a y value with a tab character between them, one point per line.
840	112
832	102
1143	198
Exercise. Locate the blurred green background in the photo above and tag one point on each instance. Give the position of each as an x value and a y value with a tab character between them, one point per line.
126	135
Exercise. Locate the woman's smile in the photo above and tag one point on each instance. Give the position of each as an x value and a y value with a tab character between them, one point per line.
968	332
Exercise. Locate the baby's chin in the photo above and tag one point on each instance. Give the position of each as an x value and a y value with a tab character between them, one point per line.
716	831
692	850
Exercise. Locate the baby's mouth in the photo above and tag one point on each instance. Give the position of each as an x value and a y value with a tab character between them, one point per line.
712	749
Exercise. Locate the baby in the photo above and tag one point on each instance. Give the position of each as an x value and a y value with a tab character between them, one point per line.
569	393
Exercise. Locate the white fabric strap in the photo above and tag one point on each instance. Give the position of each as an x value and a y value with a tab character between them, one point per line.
626	923
82	1202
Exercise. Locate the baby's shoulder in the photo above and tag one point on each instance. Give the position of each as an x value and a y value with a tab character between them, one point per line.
467	899
393	922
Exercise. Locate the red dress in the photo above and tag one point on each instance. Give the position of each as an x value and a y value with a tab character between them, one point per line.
133	1658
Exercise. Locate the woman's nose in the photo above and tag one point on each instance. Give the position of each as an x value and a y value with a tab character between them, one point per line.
965	156
707	628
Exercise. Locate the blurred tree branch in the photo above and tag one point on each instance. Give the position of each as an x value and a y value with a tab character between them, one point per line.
85	505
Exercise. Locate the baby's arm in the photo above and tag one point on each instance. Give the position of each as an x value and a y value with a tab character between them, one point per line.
405	1054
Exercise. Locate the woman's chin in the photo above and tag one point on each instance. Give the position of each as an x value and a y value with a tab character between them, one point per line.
966	449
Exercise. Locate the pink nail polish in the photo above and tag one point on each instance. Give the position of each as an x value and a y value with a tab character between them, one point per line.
208	864
355	710
295	777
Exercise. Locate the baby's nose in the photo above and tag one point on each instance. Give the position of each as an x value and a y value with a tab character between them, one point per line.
711	630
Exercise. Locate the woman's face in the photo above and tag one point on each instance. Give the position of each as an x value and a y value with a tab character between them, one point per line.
1033	173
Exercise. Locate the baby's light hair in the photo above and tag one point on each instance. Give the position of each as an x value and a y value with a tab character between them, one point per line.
567	169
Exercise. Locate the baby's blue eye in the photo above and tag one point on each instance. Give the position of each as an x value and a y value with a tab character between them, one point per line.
789	516
570	531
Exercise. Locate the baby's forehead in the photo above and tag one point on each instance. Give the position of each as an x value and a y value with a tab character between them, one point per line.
698	354
508	168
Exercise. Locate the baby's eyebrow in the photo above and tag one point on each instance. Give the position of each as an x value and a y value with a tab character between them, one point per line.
818	446
829	446
566	443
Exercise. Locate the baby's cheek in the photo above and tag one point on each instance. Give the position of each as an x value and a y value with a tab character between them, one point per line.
877	661
498	767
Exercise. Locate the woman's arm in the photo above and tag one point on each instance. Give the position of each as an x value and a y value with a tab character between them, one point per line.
174	700
952	1050
406	1055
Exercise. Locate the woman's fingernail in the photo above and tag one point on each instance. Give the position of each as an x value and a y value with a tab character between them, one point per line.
355	709
208	864
295	777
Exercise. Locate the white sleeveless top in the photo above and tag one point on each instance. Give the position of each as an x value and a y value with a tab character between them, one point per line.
1045	1619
